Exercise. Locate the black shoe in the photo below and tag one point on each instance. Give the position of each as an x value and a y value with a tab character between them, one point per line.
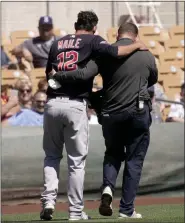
47	213
105	208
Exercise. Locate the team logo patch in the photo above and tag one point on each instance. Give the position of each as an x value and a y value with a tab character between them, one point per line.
46	19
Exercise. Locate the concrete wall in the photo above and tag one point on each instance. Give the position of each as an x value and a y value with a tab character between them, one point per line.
22	161
25	15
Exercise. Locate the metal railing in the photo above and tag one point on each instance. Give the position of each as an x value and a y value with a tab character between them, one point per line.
169	101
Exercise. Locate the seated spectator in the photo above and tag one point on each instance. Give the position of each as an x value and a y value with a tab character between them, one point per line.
8	106
43	85
159	93
37	49
4	93
155	113
24	88
30	117
176	113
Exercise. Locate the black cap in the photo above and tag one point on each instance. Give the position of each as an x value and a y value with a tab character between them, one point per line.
45	20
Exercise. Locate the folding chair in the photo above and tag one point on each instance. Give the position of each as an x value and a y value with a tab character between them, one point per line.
173	57
177	31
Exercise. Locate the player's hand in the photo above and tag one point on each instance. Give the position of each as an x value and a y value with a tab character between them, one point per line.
52	73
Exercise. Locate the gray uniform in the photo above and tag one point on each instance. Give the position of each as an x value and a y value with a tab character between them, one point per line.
65	120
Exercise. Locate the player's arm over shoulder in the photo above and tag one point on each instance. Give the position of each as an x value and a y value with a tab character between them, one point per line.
51	58
100	45
151	65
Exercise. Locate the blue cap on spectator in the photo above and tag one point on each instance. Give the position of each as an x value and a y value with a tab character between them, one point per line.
45	20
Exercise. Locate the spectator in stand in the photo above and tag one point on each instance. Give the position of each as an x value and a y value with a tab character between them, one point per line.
43	85
156	112
159	93
30	117
36	50
4	93
176	113
7	107
24	88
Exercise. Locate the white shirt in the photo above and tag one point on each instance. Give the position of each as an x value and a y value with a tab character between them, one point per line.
176	110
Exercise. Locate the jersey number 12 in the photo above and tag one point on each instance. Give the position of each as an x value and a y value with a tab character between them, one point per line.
67	60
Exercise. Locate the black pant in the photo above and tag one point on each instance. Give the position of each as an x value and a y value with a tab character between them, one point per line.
127	138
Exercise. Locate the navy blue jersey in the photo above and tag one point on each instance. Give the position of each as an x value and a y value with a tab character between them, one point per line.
72	52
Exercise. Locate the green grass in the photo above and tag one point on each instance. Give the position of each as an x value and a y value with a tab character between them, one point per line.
153	213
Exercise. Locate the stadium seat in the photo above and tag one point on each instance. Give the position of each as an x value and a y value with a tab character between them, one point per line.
22	35
157	62
112	34
177	31
10	76
60	32
18	42
173	57
5	40
172	77
36	75
153	33
175	43
155	47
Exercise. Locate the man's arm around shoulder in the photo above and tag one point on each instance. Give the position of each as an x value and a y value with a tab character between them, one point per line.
153	78
99	45
88	72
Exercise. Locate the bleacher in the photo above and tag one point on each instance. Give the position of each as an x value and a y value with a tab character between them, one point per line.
166	45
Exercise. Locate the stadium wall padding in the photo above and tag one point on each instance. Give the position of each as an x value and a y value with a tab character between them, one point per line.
22	161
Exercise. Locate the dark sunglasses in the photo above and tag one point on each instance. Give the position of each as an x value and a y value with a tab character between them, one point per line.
25	90
39	101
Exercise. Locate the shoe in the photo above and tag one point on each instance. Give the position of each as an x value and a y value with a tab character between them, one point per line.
83	216
134	215
47	212
105	208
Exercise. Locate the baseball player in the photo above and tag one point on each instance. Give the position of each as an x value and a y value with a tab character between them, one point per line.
65	117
